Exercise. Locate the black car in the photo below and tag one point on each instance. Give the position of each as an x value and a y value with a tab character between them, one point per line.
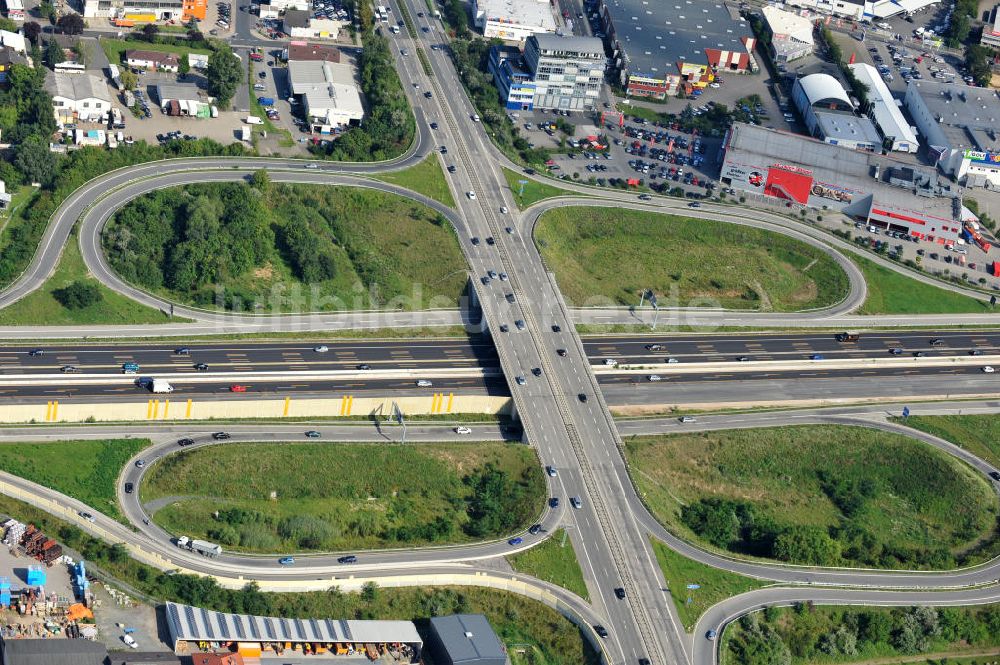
350	558
582	397
995	475
743	359
537	371
475	240
504	327
975	352
535	529
561	352
554	502
69	369
444	150
620	593
601	631
919	354
222	436
896	351
188	442
201	367
556	328
129	488
490	240
36	352
428	94
183	351
434	125
451	169
364	366
937	341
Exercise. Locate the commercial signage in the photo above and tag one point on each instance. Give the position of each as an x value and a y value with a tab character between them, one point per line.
832	192
745	175
990	158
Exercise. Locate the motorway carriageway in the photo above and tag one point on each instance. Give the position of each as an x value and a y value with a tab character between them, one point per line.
424	353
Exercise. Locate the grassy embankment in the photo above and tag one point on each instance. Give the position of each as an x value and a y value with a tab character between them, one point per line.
345	496
979	434
533	191
86	470
41	307
824	495
890	292
609	255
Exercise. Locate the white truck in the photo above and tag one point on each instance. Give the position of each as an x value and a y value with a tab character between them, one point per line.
160	386
253	120
202	547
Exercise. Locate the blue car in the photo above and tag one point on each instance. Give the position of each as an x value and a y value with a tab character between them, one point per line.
816	356
286	561
515	541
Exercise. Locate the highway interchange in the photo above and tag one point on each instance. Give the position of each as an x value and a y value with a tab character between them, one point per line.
580	438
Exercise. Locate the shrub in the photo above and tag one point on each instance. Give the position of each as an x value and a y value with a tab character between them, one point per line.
78	295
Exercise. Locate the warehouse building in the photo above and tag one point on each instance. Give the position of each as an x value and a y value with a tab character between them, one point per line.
863	9
146	10
78	97
790	35
829	114
883	111
879	190
689	46
253	636
961	127
52	652
465	639
991	31
328	93
513	20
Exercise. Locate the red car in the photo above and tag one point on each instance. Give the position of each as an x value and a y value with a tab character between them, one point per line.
237	389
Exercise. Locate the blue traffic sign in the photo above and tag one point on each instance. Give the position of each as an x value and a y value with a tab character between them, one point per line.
694	586
906	412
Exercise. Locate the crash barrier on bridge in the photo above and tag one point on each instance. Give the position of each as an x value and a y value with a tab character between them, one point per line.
78	410
61	507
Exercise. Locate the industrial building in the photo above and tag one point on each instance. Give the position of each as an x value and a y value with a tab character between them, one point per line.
298	50
991	31
961	127
554	72
465	639
879	190
328	93
829	115
193	628
78	98
692	43
863	9
790	35
146	10
513	20
883	111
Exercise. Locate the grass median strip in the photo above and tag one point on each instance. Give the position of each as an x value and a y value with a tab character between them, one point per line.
818	494
608	256
85	470
322	497
553	561
890	292
533	191
426	178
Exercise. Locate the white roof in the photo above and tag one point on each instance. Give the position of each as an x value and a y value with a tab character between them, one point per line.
327	88
818	87
15	40
531	13
887	114
77	87
787	23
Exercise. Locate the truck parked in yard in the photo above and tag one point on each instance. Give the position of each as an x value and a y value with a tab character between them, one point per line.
202	547
265	101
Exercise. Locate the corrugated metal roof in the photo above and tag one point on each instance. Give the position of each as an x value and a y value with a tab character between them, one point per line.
818	87
468	638
193	624
887	115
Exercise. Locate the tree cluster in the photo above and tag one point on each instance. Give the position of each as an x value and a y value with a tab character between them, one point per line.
78	295
497	502
225	73
961	22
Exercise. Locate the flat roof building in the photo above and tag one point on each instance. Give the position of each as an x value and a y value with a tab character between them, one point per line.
513	20
991	31
829	113
465	639
513	79
328	92
52	652
306	51
661	46
791	35
884	112
78	97
568	71
880	190
260	635
961	127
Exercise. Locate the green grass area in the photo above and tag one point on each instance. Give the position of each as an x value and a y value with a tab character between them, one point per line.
426	178
279	248
609	255
376	333
807	634
818	494
553	561
115	48
979	434
533	191
85	470
546	637
890	292
40	307
346	496
714	585
258	110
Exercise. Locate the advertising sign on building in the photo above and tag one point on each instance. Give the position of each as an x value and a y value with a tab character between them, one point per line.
832	192
986	158
747	176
